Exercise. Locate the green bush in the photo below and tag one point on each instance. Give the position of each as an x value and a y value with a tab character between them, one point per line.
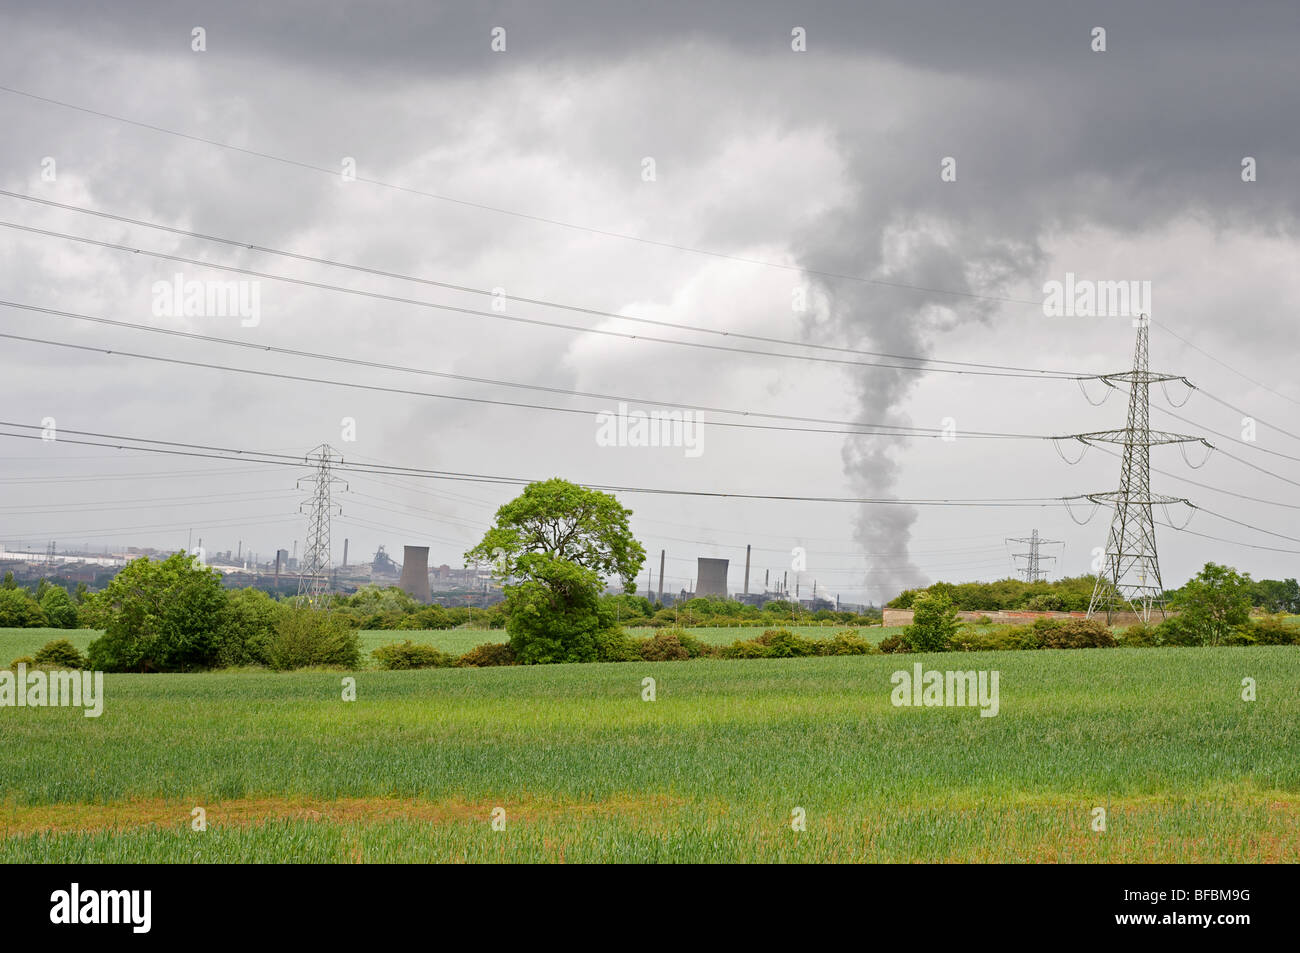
784	644
971	640
1074	634
488	655
694	647
741	649
1274	630
408	654
615	645
663	647
847	642
22	660
384	621
1139	635
934	623
60	653
893	645
1021	638
1177	631
248	628
430	617
305	637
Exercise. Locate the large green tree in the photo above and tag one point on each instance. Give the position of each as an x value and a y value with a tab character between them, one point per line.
555	546
18	610
58	607
1214	602
167	616
1277	595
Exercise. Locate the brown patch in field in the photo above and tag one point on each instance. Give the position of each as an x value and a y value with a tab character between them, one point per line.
242	812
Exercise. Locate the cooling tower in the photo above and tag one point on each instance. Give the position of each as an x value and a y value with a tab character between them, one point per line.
415	573
712	575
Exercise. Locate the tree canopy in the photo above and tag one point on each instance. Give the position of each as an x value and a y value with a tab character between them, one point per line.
554	546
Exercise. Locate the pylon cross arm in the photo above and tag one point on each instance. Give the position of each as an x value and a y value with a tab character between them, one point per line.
1122	496
1137	438
1143	377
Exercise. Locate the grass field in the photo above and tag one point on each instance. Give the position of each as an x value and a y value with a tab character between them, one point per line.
16	643
710	771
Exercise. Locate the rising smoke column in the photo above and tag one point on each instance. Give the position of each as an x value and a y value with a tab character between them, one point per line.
895	315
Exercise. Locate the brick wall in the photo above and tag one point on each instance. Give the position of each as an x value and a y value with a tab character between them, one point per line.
1013	616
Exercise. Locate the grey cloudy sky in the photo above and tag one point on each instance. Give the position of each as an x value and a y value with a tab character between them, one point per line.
1115	165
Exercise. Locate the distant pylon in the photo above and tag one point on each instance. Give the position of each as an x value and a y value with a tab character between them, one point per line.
314	571
1130	574
1032	558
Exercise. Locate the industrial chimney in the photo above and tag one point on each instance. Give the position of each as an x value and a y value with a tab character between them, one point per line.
415	573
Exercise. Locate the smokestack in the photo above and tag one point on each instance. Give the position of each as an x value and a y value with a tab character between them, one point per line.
661	574
747	569
415	573
345	553
277	565
241	551
785	583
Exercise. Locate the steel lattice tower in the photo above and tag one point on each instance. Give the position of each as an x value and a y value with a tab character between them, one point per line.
1130	578
1031	570
313	575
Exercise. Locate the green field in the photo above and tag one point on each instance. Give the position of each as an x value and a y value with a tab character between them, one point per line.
17	643
710	771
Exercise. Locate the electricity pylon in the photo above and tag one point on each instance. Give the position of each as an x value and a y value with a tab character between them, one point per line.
1130	575
1031	570
313	577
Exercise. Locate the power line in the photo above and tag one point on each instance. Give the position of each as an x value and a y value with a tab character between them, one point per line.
793	536
1234	542
1216	489
503	316
885	429
171	447
334	173
1224	364
243	521
1219	433
110	505
541	302
434	515
1258	529
580	411
1259	420
101	477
